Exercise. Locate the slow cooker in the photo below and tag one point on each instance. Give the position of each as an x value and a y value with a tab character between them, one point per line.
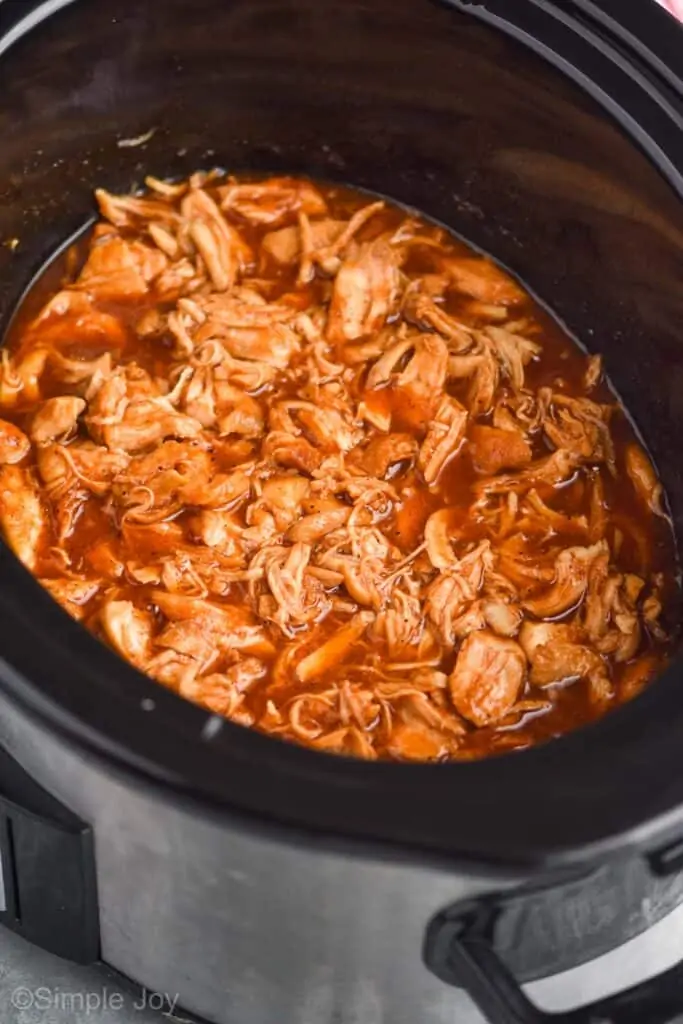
259	881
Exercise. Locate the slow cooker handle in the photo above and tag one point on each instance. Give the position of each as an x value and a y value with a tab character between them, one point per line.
48	891
459	951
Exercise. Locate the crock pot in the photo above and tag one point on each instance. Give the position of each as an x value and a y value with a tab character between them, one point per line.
261	882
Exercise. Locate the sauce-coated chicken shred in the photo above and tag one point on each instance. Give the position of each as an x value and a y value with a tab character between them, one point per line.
310	462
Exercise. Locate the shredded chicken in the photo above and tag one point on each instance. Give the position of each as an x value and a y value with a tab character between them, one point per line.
487	677
308	462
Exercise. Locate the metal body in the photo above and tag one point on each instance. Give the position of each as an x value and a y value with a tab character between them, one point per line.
249	928
245	926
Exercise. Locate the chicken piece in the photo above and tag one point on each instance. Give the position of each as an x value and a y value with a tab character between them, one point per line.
328	258
72	594
483	280
439	535
297	597
420	385
282	498
652	608
79	465
249	330
167	477
129	630
242	310
593	374
598	518
22	514
444	439
64	488
470	620
72	319
499	613
598	604
420	309
374	348
220	530
222	490
277	344
572	569
448	596
182	278
195	393
334	650
558	653
222	692
579	426
381	457
522	565
313	527
272	201
90	373
539	518
401	627
392	351
176	671
513	352
363	578
56	419
488	678
14	444
164	240
197	571
330	428
430	681
195	642
285	245
215	692
418	743
365	292
11	385
610	615
108	402
20	379
552	470
644	480
119	271
522	411
291	451
149	422
424	731
126	414
130	211
230	627
484	371
494	449
504	617
213	402
222	249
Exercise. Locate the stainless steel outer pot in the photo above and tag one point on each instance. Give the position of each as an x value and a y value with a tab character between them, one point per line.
258	881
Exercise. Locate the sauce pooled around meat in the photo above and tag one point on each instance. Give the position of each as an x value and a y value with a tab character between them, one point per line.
312	463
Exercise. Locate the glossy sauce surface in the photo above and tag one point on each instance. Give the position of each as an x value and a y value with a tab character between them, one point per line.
222	599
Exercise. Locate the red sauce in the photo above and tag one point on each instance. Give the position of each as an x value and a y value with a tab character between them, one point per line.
641	542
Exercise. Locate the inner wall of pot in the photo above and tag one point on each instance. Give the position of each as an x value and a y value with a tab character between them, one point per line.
413	100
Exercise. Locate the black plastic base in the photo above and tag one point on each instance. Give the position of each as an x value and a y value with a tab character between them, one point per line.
48	890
